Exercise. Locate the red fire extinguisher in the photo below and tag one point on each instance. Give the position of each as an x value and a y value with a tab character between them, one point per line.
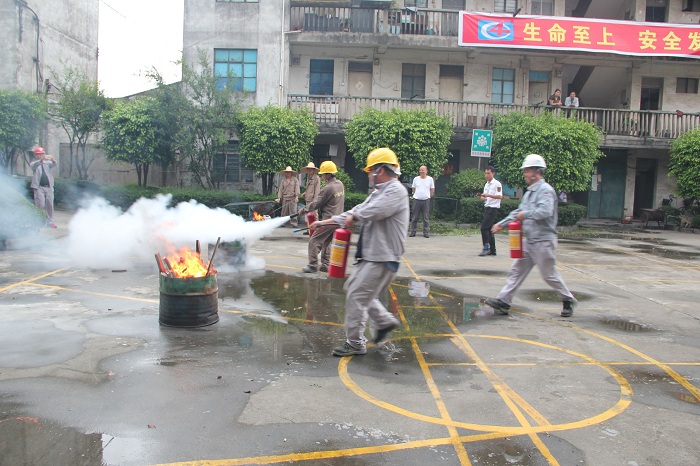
340	246
310	218
515	235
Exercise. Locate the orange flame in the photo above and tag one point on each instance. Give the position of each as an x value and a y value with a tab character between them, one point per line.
187	264
257	217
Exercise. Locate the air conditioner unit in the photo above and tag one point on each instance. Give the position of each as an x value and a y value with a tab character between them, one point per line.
295	60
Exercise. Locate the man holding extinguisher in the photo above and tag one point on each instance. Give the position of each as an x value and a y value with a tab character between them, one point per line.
384	220
330	201
538	213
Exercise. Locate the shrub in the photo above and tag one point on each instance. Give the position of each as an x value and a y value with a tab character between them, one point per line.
353	199
70	192
570	213
346	180
467	183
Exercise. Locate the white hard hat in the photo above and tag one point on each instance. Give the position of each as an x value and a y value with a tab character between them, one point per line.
533	160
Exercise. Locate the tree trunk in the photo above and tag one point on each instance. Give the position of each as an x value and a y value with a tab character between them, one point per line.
138	172
267	183
146	166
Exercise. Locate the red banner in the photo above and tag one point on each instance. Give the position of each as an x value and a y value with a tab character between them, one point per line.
582	34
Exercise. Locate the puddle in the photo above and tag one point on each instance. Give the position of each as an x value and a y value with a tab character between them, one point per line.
626	325
572	241
463	273
607	251
551	296
687	398
661	252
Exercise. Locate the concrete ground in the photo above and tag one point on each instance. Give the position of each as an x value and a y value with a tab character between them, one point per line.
89	377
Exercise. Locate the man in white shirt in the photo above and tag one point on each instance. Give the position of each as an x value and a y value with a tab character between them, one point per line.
572	100
422	189
492	195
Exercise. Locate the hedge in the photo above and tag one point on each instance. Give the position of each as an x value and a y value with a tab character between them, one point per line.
471	210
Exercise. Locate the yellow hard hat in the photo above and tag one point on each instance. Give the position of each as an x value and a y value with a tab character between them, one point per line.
327	167
382	156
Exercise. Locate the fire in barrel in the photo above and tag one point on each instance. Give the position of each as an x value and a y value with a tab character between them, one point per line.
188	289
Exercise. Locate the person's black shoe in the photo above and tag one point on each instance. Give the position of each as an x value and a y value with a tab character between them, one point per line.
426	236
567	309
493	253
306	233
411	235
323	268
383	333
347	350
309	269
485	252
499	306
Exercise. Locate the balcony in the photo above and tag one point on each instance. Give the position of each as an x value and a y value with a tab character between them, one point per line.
405	21
470	115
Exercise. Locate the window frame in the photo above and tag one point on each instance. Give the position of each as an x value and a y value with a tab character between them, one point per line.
228	164
502	80
501	6
541	3
412	78
684	85
319	73
240	83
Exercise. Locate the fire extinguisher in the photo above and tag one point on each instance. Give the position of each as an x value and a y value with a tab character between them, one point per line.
515	236
340	246
310	218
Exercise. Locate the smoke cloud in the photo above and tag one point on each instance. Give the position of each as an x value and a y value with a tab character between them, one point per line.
102	236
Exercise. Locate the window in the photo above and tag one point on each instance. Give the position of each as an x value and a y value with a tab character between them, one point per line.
686	85
416	3
453	5
236	68
321	77
227	167
413	81
502	85
505	6
543	7
237	1
539	76
656	11
690	5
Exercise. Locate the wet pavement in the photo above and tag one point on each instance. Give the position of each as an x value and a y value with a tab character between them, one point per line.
89	377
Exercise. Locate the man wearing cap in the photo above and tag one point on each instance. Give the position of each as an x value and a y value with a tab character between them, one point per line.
384	220
330	201
538	213
42	183
313	185
288	193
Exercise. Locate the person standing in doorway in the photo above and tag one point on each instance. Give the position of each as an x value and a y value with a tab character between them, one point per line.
289	194
383	217
538	213
492	195
42	183
330	201
422	189
313	186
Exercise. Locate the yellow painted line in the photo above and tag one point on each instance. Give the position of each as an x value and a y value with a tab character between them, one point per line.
619	266
29	281
94	293
283	266
561	363
665	367
346	453
434	391
275	316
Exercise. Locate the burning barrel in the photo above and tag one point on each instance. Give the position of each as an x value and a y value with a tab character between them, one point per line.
189	294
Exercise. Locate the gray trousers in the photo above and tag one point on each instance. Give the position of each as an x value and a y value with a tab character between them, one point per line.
421	206
362	291
320	241
543	255
43	199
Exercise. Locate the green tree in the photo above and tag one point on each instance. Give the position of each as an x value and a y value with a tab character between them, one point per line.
209	120
21	116
272	138
131	134
466	183
685	164
569	147
419	137
172	109
78	110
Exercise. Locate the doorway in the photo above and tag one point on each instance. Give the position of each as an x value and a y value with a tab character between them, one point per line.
644	185
651	93
606	197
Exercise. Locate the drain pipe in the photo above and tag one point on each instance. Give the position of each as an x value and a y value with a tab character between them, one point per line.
39	79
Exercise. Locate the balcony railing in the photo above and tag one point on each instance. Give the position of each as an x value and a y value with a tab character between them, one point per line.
410	21
645	123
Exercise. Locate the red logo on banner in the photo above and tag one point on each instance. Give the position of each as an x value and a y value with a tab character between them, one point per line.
582	34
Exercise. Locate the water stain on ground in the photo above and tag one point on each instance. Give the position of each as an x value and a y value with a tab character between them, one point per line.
665	253
607	251
462	273
626	325
551	296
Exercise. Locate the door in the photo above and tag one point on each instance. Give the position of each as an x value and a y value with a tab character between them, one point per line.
644	184
360	79
451	82
606	197
538	93
321	77
651	95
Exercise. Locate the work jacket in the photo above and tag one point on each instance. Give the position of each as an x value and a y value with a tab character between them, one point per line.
539	207
289	189
313	186
36	168
331	200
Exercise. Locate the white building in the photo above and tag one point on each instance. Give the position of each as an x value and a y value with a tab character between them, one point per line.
43	36
337	57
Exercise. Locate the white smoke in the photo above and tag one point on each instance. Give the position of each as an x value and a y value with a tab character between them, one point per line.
102	236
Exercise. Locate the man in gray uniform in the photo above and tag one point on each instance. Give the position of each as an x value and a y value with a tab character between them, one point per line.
538	212
330	201
384	221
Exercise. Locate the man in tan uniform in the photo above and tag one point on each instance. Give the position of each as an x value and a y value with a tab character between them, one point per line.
313	185
289	194
330	201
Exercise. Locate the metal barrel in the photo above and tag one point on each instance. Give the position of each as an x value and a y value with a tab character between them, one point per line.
188	302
